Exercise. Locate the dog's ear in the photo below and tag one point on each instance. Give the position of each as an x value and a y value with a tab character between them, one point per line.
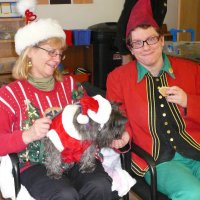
118	119
116	106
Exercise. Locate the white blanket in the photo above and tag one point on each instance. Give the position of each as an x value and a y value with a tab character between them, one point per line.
122	181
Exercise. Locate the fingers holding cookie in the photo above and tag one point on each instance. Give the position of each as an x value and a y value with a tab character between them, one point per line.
174	94
178	96
163	91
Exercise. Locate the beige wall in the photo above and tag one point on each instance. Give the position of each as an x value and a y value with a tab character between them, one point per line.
73	16
171	18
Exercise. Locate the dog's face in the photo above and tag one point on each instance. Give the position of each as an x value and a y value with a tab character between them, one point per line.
111	130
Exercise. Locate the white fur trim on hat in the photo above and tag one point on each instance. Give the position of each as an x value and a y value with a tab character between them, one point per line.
67	121
82	119
53	136
103	113
35	32
23	5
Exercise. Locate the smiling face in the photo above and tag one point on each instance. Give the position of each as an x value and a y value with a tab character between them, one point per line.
149	55
43	62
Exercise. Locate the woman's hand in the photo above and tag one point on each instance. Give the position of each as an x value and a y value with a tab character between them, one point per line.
37	131
121	142
177	95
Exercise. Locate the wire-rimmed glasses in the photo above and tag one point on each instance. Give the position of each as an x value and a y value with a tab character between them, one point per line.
52	53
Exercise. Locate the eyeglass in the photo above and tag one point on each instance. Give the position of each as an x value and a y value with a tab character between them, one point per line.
52	53
140	43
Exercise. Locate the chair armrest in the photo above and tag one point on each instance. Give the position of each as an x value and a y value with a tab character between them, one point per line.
126	163
152	167
16	172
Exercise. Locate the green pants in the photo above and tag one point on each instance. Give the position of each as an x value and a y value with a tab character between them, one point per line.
179	178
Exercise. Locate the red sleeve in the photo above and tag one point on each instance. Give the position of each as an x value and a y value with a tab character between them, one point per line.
193	105
114	93
10	142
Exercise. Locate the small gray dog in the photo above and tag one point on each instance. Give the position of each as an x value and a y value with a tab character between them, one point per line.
77	137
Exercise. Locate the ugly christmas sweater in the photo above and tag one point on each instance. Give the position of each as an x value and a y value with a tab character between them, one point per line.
15	99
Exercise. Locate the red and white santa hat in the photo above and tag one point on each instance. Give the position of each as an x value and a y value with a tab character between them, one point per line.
141	13
34	31
97	108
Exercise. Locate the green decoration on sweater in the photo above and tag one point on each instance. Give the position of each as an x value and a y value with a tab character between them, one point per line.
34	151
77	94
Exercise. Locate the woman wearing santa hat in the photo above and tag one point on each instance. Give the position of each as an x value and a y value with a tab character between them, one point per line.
39	86
161	98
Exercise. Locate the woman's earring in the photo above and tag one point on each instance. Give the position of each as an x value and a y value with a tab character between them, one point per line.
29	65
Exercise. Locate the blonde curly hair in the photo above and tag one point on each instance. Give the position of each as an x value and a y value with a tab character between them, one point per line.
21	70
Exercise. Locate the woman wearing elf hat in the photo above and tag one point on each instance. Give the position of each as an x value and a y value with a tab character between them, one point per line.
161	98
159	9
23	103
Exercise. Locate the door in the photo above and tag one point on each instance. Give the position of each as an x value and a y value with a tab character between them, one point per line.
189	17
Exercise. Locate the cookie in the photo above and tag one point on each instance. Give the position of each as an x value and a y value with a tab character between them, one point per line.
163	91
51	112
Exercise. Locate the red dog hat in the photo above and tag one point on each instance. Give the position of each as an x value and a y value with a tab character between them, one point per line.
141	14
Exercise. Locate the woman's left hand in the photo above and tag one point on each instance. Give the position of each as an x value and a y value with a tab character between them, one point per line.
121	142
177	95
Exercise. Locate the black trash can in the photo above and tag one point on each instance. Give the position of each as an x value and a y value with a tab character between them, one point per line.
106	54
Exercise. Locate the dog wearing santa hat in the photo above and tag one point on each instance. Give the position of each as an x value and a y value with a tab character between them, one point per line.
79	132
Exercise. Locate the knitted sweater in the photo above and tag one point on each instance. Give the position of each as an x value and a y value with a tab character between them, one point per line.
13	108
